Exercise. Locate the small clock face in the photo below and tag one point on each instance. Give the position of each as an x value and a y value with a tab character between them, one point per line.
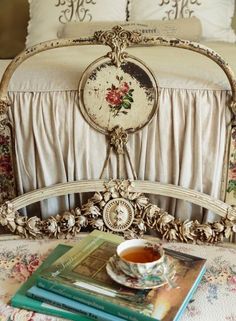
118	214
124	96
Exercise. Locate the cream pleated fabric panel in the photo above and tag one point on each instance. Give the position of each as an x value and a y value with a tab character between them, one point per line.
183	145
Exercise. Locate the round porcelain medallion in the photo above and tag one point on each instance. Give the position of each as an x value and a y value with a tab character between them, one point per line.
125	96
118	214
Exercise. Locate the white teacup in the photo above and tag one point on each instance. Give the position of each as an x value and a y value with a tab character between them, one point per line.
140	258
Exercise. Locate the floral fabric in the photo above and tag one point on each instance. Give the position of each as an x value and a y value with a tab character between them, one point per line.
6	170
214	300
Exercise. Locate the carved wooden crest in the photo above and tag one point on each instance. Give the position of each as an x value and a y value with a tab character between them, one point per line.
117	39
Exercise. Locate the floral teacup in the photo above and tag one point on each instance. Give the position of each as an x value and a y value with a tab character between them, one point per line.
140	258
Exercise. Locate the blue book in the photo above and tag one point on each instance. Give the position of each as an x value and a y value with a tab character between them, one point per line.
69	304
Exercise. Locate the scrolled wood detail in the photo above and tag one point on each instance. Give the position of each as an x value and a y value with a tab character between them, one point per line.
146	216
118	139
118	39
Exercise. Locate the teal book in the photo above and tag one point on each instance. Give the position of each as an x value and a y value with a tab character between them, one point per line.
81	276
22	301
69	304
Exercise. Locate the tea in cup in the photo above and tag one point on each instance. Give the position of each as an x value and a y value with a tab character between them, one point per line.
140	258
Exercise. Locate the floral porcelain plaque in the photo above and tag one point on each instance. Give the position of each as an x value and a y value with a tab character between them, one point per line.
125	96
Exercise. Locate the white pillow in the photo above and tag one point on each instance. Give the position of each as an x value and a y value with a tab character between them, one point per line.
47	16
215	15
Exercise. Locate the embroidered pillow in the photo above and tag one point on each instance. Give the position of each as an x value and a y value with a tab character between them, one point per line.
47	16
215	15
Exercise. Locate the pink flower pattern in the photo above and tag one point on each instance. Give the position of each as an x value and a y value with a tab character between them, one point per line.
20	267
119	98
6	170
232	165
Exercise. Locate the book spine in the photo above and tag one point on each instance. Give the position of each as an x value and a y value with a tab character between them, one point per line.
92	300
49	310
103	317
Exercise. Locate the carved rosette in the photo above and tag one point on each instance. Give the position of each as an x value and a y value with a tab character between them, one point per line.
118	209
118	214
118	39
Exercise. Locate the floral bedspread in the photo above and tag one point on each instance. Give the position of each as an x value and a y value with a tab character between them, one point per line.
214	300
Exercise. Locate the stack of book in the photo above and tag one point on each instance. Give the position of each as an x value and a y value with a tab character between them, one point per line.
73	283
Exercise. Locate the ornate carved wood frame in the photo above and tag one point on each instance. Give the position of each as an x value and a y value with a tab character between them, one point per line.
121	205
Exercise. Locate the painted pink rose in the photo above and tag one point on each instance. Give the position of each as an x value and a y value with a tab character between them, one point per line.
124	88
113	97
119	98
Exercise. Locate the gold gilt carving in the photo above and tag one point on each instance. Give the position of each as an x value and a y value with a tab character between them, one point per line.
118	39
118	197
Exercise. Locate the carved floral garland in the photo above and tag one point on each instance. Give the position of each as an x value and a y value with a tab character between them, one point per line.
147	216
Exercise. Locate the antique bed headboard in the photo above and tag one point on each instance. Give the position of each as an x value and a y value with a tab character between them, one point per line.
118	95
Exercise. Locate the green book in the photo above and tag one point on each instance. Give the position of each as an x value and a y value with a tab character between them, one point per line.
22	301
81	275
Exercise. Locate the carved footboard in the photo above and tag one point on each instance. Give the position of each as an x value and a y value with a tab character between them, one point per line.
120	206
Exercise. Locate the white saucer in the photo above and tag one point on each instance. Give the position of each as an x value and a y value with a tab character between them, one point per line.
148	282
